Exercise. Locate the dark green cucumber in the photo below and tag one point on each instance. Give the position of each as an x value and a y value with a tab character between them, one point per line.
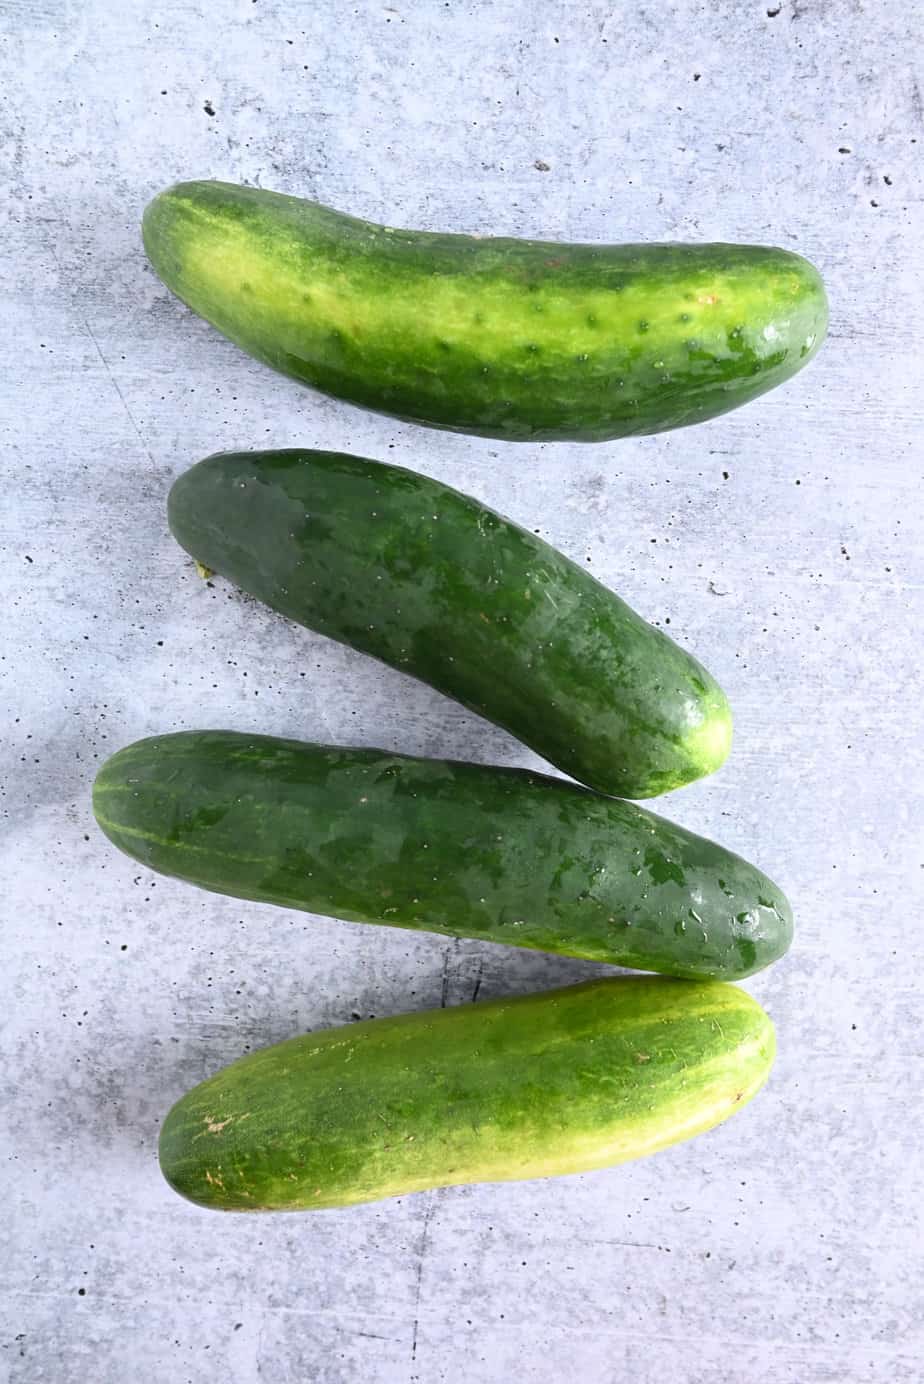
435	584
560	1082
506	338
440	846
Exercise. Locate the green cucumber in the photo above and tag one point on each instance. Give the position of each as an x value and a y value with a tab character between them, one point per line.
518	339
434	583
440	846
560	1082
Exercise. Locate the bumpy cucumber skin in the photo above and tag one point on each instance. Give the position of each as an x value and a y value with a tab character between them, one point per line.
523	340
433	583
560	1082
466	850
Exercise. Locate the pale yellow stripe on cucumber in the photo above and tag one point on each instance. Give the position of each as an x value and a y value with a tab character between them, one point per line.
120	829
236	274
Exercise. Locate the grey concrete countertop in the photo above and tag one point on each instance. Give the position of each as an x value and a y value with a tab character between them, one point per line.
783	543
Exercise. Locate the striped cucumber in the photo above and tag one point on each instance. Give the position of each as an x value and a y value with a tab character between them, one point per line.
436	584
461	849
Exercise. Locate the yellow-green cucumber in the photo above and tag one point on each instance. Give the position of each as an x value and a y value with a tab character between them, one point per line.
560	1082
518	339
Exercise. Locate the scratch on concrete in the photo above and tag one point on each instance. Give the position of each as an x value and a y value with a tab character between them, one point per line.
424	1244
115	384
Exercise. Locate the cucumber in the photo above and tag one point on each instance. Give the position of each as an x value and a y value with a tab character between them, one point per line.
560	1082
435	584
440	846
518	339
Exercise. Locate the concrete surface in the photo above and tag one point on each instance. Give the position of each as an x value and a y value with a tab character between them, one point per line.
783	544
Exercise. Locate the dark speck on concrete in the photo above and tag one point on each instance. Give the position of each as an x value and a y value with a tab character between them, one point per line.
209	108
542	166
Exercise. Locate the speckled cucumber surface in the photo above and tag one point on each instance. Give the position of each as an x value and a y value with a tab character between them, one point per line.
436	584
559	1082
507	338
467	850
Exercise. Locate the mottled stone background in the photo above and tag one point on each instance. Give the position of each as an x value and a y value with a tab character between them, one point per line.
783	544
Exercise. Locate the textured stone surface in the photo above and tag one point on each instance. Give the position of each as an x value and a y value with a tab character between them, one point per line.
782	543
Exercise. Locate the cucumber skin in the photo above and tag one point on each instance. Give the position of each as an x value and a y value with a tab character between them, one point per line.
560	1082
435	584
465	850
523	340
